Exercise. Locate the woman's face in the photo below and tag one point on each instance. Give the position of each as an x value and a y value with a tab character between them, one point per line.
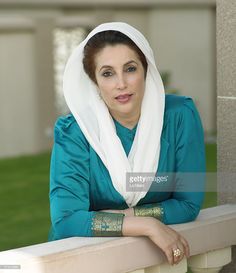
120	78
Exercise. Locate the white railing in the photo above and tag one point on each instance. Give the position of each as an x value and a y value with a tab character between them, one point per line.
210	238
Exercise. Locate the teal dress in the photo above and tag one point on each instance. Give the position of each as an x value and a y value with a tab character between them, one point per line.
80	184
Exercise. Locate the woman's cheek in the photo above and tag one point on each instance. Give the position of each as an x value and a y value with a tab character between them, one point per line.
135	80
106	85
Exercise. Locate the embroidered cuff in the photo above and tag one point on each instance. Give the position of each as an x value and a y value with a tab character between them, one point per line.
151	210
107	224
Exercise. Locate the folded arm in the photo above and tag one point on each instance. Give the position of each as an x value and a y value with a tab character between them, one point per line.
70	189
186	199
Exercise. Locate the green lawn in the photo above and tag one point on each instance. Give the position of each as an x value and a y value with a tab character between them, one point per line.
24	201
24	198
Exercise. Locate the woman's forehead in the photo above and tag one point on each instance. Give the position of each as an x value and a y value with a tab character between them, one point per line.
118	53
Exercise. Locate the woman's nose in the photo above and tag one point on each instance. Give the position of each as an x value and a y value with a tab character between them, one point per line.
121	82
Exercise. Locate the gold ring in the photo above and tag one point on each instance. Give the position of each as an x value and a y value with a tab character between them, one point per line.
176	252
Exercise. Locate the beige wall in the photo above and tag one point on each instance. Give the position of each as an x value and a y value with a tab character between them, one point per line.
184	44
27	111
226	108
17	93
183	39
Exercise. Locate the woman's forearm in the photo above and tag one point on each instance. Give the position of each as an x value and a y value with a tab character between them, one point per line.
134	226
147	210
137	226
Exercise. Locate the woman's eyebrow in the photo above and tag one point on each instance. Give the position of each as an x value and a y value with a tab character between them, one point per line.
105	66
129	62
108	66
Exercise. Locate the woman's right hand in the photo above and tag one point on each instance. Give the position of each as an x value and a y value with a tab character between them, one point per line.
162	235
168	240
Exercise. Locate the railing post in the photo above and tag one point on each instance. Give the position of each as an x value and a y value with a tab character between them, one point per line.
167	268
210	262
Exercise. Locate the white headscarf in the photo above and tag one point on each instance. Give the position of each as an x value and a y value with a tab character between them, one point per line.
96	123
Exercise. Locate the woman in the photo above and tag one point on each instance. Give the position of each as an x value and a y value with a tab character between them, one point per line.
122	124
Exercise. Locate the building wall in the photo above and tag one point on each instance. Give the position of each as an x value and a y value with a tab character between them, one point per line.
184	44
226	108
17	93
26	85
182	37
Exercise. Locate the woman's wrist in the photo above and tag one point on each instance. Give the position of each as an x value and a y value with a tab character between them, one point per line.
137	226
128	212
153	226
150	210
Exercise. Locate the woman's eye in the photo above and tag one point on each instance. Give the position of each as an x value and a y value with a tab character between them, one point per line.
107	74
131	69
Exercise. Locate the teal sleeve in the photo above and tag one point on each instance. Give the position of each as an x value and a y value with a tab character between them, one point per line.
70	188
187	199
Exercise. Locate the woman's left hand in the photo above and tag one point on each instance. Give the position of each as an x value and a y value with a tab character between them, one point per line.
126	212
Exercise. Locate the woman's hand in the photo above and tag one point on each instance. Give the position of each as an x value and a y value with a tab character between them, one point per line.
168	240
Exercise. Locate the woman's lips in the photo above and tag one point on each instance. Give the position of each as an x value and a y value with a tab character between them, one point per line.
124	98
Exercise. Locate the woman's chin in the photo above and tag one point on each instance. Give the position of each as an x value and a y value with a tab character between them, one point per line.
127	110
124	109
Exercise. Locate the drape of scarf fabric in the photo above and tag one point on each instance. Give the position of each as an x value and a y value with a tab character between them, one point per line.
96	123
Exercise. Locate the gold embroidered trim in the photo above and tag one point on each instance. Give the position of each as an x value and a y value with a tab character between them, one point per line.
151	210
107	224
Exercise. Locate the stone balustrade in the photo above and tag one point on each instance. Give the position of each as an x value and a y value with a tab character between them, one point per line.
210	238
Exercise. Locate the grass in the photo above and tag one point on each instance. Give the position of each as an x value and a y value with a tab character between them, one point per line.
24	201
